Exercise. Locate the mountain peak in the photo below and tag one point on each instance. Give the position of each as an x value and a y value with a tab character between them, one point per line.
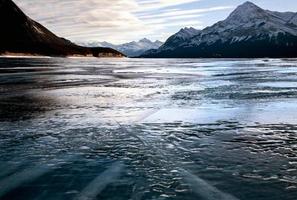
131	49
187	32
248	4
188	29
249	32
248	7
145	40
247	11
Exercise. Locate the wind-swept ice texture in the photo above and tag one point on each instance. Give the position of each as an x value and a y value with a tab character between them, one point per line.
178	129
249	31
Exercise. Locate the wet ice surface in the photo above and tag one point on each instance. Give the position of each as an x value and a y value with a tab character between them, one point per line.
148	129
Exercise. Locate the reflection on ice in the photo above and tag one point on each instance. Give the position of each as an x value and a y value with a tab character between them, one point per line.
205	190
263	113
17	179
101	182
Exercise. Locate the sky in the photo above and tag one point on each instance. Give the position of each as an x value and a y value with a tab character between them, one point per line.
120	21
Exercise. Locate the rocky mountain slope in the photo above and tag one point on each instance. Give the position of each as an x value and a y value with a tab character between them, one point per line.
180	37
249	31
21	35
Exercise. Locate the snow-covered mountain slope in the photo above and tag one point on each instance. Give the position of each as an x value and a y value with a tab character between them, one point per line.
137	48
131	49
249	31
180	37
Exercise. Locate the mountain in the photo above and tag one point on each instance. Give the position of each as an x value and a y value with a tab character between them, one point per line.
131	49
180	37
249	31
21	35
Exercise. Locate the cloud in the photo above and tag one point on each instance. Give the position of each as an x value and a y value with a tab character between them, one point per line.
81	19
176	12
159	4
114	20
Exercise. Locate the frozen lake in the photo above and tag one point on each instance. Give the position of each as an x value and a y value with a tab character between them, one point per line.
145	129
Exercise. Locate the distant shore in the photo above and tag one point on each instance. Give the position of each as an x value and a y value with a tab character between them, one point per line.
29	55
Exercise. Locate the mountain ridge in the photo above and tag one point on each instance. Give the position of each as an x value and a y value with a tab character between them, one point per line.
249	31
131	49
181	36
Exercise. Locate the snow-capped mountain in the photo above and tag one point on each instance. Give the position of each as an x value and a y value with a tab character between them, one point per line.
249	31
180	37
131	49
183	35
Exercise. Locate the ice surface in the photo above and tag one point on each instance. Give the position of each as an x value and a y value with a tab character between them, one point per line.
181	129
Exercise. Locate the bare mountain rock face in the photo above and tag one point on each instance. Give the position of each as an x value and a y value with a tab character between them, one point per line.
21	35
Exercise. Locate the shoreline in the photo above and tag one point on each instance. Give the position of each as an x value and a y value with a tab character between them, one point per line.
25	55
